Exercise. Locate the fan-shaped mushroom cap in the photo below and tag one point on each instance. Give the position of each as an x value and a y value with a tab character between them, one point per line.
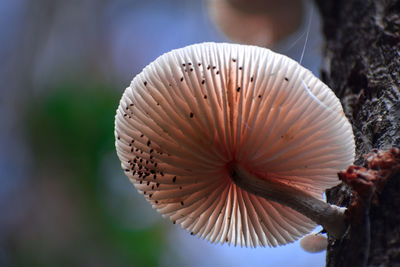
195	110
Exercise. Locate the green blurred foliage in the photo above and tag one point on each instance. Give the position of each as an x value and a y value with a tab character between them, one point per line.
71	129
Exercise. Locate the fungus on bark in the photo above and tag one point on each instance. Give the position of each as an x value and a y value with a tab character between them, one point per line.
235	143
314	243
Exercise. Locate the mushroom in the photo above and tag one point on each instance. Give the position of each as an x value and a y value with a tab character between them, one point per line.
314	243
257	22
235	143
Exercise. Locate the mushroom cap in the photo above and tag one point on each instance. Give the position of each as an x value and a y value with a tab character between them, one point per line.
195	110
314	243
261	22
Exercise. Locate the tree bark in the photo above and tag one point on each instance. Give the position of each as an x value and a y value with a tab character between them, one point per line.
362	56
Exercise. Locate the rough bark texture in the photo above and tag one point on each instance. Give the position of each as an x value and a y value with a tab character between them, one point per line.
363	68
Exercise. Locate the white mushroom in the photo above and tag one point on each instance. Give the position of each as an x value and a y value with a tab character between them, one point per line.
314	243
235	143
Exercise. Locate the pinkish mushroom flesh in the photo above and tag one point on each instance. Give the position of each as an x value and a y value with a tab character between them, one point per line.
196	113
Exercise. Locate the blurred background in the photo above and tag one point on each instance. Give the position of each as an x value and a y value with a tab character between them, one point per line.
64	200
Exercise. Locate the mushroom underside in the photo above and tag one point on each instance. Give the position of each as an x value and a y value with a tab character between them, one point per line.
195	110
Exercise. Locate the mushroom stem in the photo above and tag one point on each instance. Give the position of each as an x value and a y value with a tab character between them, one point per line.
331	217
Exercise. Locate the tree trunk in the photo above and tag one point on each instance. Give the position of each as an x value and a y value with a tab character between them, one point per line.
362	56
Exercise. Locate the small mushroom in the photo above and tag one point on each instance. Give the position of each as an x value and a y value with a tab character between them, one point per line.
314	243
257	22
235	143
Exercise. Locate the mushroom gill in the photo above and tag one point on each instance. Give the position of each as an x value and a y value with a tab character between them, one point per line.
195	112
